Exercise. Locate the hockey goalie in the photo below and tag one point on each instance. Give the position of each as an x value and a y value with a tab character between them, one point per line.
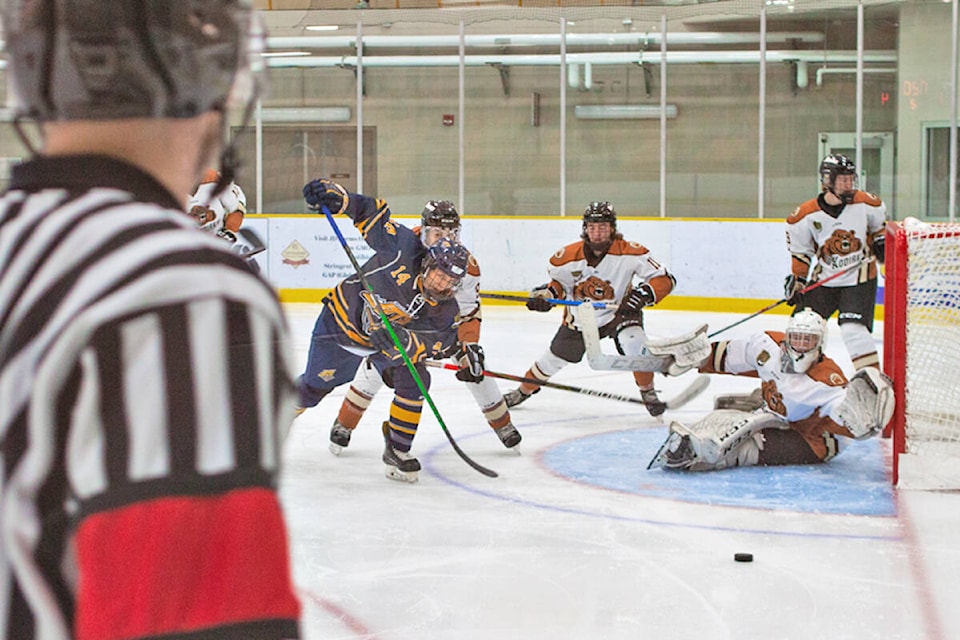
804	414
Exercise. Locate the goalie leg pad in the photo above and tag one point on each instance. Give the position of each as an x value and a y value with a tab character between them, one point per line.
726	438
868	405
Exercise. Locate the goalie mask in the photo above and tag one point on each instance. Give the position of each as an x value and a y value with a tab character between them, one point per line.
803	342
834	166
443	269
440	219
593	236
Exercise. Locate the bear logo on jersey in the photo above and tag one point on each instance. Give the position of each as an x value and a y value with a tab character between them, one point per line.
203	215
773	397
593	288
841	243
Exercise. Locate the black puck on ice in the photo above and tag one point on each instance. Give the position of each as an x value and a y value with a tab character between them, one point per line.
743	557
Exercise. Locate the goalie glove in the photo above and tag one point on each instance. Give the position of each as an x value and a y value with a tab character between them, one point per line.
868	405
792	286
322	192
381	340
538	299
686	351
635	300
471	359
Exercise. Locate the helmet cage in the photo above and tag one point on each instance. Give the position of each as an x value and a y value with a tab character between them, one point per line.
446	257
804	341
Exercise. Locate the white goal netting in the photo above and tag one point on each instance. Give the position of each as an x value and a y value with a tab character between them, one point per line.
931	397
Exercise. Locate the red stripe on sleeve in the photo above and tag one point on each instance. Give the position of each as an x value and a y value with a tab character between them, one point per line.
180	564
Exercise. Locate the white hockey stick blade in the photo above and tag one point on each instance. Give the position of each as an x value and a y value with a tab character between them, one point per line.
695	388
609	362
248	243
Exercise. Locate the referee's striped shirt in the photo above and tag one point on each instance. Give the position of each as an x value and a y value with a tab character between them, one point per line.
144	394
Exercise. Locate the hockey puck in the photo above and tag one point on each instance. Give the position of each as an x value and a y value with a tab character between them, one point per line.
743	557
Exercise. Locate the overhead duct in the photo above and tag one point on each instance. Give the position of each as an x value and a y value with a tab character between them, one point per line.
537	40
603	58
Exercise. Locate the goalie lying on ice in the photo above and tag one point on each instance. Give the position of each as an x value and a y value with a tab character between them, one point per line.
808	408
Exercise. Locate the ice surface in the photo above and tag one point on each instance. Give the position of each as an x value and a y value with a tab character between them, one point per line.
576	540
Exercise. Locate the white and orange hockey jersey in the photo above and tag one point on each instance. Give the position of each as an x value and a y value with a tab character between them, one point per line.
468	297
573	279
806	402
223	213
836	243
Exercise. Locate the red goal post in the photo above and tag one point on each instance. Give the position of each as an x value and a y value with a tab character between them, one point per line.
922	352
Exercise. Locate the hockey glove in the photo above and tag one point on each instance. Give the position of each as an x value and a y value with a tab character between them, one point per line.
318	193
636	299
538	299
381	340
879	247
227	235
471	362
792	286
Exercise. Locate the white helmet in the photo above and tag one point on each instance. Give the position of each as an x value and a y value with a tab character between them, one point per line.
803	343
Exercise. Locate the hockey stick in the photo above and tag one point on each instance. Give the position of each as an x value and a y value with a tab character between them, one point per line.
252	244
809	287
609	362
403	353
682	398
566	303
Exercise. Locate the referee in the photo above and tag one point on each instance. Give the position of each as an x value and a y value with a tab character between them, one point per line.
145	387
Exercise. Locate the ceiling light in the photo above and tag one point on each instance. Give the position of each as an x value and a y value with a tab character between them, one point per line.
322	27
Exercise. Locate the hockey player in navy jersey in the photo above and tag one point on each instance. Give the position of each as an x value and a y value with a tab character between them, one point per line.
415	286
440	219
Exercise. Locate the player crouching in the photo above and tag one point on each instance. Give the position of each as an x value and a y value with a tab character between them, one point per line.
808	409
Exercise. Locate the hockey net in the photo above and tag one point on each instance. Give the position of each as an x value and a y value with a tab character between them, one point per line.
922	352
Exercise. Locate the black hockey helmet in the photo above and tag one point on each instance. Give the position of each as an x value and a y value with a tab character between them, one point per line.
449	257
440	213
833	165
600	211
120	59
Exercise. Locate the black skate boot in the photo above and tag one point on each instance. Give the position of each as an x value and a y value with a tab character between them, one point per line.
400	464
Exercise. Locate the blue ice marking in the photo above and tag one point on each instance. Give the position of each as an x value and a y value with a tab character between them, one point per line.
856	482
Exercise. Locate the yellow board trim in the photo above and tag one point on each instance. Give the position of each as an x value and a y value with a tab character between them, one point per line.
673	303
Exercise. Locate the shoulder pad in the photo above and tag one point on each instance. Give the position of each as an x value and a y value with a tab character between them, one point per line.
623	247
828	372
867	198
801	212
569	253
210	175
473	267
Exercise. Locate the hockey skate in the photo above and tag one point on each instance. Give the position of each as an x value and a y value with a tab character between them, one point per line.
676	452
517	396
655	407
509	435
339	437
401	466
